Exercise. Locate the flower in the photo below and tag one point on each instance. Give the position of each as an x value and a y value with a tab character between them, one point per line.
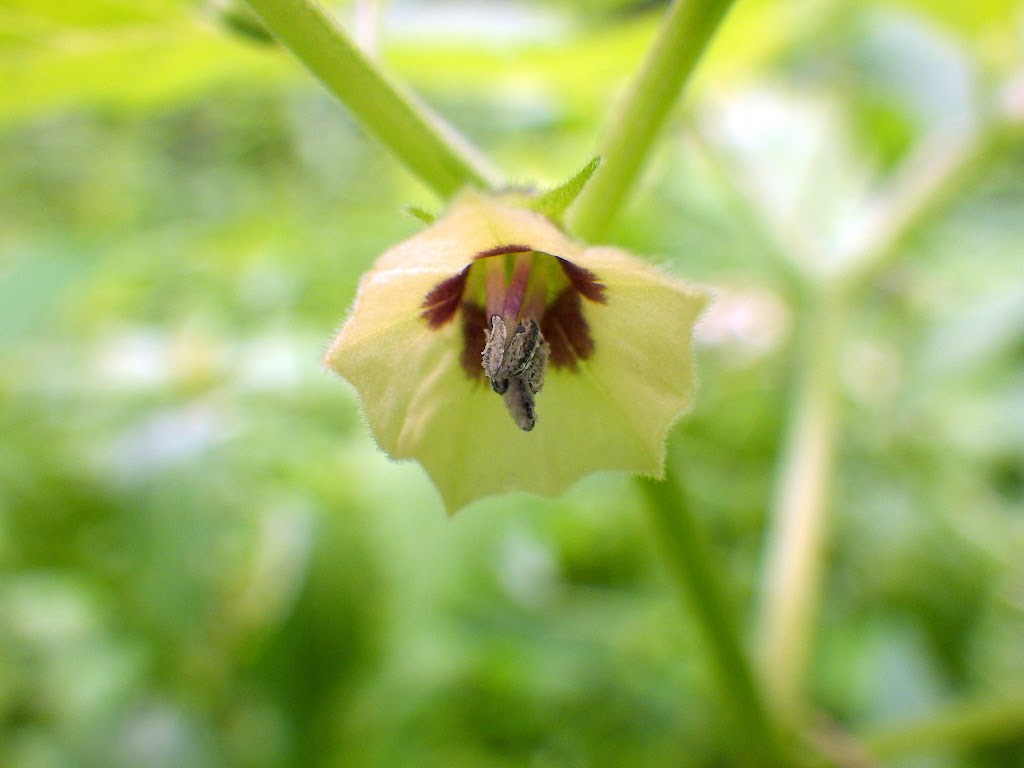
503	355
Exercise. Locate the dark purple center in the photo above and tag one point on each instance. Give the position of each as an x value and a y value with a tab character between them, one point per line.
562	320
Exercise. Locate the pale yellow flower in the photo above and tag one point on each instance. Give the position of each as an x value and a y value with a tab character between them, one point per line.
503	355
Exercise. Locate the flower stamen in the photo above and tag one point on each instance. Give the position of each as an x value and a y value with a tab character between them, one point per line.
515	367
518	313
517	286
496	284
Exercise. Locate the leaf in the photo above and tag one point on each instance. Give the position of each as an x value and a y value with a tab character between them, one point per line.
58	55
418	213
243	22
555	202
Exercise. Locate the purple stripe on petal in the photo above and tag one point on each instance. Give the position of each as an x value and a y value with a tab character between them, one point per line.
501	250
474	330
583	280
566	331
443	301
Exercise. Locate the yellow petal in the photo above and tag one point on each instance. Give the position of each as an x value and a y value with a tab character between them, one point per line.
385	349
475	223
614	412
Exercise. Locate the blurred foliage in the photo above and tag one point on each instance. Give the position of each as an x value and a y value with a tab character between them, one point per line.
203	560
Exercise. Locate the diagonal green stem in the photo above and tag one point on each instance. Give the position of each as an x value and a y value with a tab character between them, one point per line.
795	549
688	27
692	567
427	146
938	168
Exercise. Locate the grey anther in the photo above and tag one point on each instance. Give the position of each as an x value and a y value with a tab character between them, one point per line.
534	375
515	367
522	348
519	402
494	355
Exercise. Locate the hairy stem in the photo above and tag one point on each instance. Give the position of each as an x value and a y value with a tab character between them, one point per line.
419	139
688	27
692	568
795	546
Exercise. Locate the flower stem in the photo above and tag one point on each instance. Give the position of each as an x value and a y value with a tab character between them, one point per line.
796	544
427	146
688	27
795	547
966	724
692	568
938	167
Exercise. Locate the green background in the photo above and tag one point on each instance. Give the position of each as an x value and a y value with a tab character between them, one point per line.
205	562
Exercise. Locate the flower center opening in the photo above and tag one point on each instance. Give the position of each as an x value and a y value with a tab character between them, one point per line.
520	312
515	354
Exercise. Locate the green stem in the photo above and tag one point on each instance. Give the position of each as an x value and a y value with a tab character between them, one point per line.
428	147
692	567
795	547
778	245
941	165
962	725
796	544
682	38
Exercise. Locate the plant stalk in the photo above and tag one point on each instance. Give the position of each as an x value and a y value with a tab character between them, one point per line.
683	36
796	543
419	139
692	568
938	167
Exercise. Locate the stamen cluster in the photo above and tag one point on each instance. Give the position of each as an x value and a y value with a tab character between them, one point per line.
515	366
520	309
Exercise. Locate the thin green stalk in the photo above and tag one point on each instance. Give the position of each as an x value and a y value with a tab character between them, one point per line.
796	544
692	567
688	27
775	244
427	146
795	547
963	725
940	166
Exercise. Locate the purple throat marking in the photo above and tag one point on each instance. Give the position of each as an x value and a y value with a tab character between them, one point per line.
562	321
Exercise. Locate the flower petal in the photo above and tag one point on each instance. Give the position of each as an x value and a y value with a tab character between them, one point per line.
385	349
613	413
643	340
475	224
